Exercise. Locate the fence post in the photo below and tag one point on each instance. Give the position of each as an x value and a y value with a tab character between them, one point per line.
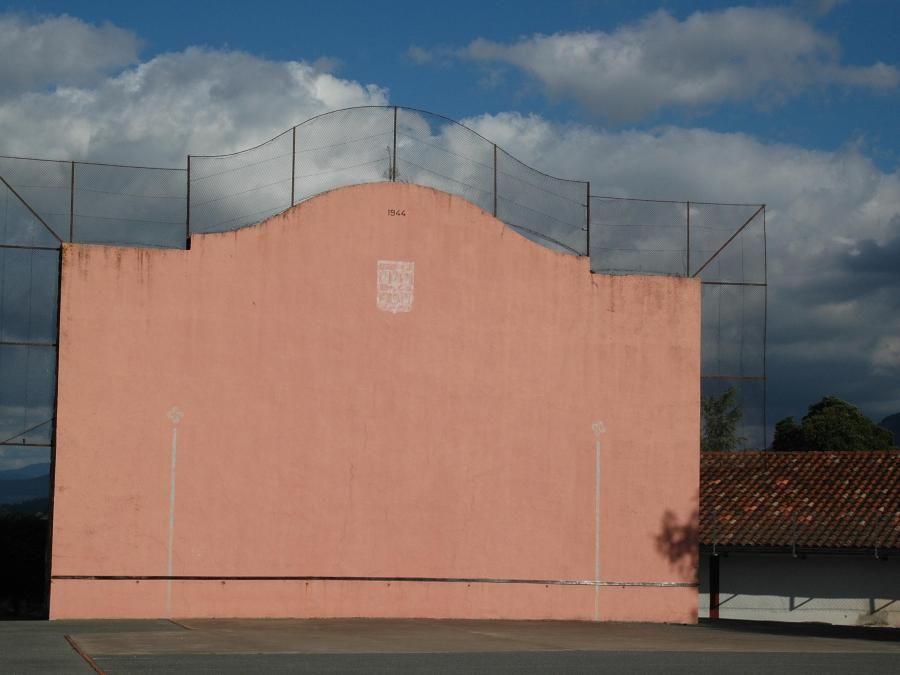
293	160
765	334
587	219
687	272
72	204
394	155
495	180
187	216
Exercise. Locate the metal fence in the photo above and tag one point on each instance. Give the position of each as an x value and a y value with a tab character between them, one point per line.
724	245
47	202
42	204
372	144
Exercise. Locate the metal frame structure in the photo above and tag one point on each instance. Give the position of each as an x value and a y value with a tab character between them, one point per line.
101	203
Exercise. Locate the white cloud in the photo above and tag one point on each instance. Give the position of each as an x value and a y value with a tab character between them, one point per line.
821	205
736	54
419	55
199	100
59	50
813	196
95	106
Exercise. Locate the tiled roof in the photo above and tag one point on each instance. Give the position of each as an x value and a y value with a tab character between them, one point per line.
810	499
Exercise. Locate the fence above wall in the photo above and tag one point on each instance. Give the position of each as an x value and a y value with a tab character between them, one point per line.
372	144
150	206
722	244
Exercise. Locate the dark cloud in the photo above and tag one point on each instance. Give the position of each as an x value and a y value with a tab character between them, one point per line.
865	271
833	226
876	262
833	217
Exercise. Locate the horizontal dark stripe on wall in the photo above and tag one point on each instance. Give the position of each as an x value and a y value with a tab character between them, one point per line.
451	580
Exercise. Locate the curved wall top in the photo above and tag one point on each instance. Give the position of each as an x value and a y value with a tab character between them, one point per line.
88	202
385	143
377	414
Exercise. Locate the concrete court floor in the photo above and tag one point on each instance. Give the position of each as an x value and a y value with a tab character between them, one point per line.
444	646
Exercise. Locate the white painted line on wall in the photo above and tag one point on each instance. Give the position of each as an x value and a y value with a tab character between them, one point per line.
175	414
598	428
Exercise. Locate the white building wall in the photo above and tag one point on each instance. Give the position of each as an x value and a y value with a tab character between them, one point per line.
842	590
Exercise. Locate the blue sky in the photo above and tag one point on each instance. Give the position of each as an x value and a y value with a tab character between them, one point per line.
370	42
791	104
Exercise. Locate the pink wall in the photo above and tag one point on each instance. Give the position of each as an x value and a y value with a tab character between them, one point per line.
326	436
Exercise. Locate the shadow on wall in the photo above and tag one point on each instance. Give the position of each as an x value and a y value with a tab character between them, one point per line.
679	542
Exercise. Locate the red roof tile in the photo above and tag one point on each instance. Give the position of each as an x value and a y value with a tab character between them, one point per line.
811	499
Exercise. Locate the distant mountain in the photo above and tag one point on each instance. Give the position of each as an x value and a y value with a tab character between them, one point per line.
22	489
892	422
29	471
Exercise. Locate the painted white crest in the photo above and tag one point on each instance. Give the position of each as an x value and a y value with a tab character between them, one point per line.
599	428
175	414
395	281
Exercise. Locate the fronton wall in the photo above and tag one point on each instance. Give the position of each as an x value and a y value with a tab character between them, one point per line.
382	402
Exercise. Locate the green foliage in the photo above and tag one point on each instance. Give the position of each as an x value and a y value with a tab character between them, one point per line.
831	424
788	436
892	424
721	417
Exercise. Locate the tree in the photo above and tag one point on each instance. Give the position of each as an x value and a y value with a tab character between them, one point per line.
721	417
892	424
788	436
831	424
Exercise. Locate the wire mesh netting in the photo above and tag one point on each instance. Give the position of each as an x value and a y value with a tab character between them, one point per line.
26	397
46	186
29	268
347	147
727	242
733	352
49	201
630	236
44	203
727	251
28	288
548	210
439	153
132	206
724	246
732	320
230	191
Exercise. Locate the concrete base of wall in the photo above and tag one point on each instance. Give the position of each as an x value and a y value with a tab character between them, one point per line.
124	599
841	590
